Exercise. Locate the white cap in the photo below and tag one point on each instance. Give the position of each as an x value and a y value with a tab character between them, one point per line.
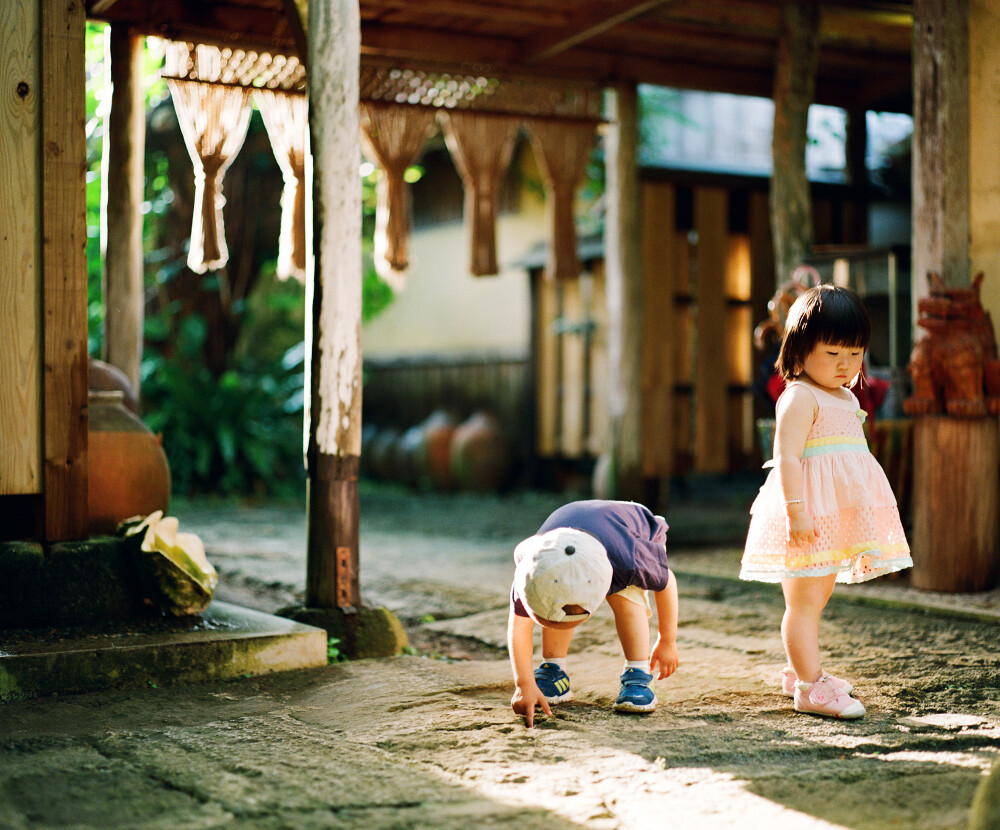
561	567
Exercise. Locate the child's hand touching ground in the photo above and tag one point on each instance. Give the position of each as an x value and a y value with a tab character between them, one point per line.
664	657
524	701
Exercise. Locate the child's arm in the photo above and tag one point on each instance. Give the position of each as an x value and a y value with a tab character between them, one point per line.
795	416
527	695
664	652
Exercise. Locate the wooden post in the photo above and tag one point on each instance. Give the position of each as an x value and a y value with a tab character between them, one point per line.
794	88
956	502
711	427
624	278
64	269
659	254
984	161
334	298
121	206
941	144
20	327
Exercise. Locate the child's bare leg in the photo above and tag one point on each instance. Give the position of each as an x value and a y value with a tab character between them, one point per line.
632	624
805	599
555	642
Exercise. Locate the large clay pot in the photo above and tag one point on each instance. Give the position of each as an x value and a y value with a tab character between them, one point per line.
103	377
439	429
128	470
480	453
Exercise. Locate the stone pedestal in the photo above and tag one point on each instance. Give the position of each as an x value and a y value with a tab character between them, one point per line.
956	503
361	632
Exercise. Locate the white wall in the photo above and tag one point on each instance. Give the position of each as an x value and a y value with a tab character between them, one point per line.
444	309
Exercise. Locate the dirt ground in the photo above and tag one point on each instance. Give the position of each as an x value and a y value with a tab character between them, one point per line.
427	739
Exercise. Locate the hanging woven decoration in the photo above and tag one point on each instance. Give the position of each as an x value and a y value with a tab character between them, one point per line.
393	136
562	150
481	145
286	118
213	120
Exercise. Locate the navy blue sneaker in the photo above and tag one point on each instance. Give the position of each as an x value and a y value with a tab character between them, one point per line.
553	682
636	694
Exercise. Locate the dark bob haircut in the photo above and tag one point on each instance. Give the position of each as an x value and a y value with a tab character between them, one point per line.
823	314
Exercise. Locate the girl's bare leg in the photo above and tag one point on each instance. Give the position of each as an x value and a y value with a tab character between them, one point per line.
805	599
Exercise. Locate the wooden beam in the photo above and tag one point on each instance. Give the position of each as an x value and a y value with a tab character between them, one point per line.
221	24
588	21
297	14
478	11
97	8
409	42
20	328
64	269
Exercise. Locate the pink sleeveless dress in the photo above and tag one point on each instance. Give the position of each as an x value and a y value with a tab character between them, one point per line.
848	496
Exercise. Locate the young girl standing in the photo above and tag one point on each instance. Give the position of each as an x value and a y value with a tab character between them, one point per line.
826	512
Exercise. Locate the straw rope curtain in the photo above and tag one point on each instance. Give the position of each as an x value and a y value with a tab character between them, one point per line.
562	151
213	121
286	120
393	136
481	146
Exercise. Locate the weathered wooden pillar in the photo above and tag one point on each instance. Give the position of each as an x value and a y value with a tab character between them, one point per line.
20	294
941	143
956	233
333	297
121	205
622	469
64	268
956	503
984	160
335	301
794	90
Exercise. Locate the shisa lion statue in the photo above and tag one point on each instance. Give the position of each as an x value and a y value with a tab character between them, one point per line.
954	367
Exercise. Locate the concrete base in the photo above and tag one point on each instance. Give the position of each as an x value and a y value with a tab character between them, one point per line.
362	632
223	642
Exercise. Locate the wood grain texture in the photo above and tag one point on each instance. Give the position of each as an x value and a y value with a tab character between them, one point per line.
20	326
64	269
956	502
711	211
659	329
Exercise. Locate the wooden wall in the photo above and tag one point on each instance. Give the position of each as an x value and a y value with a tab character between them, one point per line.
708	270
402	392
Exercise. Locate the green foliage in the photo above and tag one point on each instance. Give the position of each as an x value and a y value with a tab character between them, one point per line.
240	433
333	652
239	430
